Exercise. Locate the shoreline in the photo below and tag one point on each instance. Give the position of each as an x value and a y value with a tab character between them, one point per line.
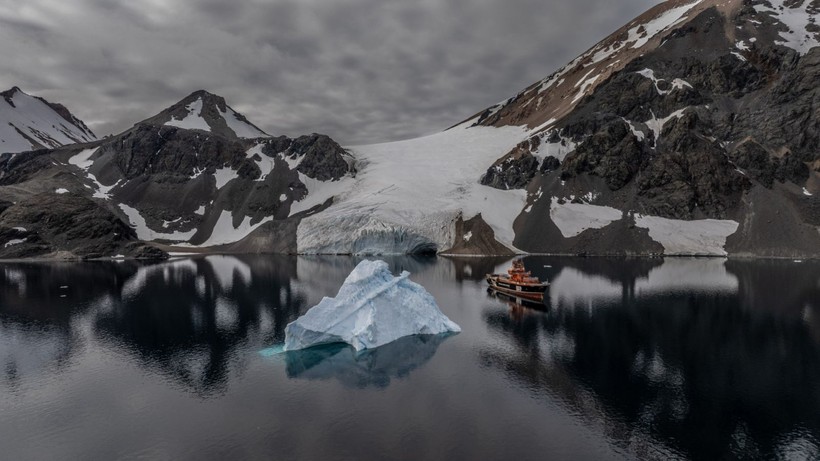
181	255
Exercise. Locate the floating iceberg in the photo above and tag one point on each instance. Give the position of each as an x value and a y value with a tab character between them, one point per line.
372	308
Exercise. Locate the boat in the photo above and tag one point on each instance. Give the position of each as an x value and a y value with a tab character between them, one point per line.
518	282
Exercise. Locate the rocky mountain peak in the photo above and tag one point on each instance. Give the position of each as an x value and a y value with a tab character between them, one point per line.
205	111
8	94
785	24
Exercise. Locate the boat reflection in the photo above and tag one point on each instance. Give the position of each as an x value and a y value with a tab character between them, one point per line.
517	302
676	364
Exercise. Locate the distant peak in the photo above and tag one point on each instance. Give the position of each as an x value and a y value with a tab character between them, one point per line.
12	91
204	94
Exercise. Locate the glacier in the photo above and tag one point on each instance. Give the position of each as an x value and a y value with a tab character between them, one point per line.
372	308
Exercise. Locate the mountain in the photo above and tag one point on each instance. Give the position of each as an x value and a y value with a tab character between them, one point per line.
692	130
207	112
28	122
695	125
197	174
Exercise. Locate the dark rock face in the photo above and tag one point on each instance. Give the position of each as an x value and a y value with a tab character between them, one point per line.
476	237
765	168
612	153
550	164
166	150
139	250
15	168
515	170
321	157
691	176
49	223
678	122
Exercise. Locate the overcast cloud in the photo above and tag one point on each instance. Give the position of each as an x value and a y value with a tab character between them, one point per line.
359	70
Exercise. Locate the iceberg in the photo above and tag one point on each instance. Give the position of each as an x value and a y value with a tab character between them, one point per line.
372	308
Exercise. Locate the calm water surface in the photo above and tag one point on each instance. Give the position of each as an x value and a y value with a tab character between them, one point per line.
649	359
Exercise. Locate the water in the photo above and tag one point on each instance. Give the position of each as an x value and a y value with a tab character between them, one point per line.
651	359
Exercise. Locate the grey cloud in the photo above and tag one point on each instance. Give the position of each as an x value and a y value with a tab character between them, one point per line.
359	70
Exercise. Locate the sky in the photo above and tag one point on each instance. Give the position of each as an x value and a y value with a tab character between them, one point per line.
361	71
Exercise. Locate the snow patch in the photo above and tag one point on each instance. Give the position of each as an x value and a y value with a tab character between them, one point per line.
193	120
679	237
798	20
655	124
82	160
638	133
559	149
14	242
265	163
224	175
241	128
224	231
574	218
146	233
585	83
61	191
677	84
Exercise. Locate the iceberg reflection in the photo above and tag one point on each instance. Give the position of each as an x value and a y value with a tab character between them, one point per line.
369	368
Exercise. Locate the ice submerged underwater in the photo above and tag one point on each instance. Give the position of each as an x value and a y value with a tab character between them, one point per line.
373	308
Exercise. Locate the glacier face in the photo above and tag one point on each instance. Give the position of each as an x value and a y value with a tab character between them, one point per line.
407	195
372	308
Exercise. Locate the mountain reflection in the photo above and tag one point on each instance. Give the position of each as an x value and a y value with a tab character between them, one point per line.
192	320
368	368
188	319
717	360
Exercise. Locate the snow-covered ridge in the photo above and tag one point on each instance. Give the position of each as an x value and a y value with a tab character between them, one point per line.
28	123
549	100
